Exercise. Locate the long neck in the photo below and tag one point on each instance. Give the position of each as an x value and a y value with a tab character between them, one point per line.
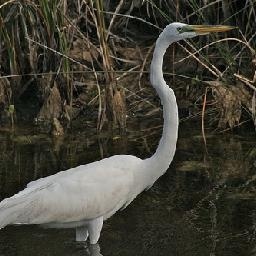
163	156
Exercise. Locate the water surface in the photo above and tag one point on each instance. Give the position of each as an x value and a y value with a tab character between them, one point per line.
204	205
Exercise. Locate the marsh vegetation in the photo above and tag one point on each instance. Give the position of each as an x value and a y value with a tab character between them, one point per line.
63	61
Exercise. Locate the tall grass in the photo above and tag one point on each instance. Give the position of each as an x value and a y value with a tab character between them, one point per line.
66	41
22	24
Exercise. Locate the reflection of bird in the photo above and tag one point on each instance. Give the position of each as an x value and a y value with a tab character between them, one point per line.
94	250
85	196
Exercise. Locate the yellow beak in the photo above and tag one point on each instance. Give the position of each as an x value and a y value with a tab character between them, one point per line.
206	29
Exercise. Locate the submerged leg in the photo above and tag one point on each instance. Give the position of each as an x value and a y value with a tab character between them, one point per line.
94	228
81	234
94	250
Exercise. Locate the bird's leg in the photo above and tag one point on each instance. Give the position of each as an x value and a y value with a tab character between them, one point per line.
81	234
94	250
94	228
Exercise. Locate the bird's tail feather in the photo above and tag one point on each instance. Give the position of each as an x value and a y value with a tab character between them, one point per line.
11	209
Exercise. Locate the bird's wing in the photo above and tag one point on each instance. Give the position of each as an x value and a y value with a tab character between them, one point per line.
45	180
81	193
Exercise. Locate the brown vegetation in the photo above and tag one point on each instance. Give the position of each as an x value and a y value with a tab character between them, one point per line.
67	59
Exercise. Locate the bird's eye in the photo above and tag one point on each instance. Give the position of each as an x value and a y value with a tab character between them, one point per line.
180	30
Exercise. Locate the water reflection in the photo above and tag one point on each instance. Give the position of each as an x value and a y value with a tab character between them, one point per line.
204	205
94	250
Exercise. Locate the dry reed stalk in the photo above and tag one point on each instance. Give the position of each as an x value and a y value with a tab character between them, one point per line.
144	63
202	120
246	81
114	101
118	8
134	18
254	108
199	61
198	10
6	3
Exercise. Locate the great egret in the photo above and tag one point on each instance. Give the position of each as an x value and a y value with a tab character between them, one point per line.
84	196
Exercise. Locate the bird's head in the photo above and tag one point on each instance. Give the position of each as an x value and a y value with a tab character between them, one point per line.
177	31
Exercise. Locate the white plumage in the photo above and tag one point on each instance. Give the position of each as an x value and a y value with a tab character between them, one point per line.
84	196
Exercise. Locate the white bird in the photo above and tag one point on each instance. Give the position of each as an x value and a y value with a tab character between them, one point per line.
84	196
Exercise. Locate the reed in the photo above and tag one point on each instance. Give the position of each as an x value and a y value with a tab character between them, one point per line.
71	45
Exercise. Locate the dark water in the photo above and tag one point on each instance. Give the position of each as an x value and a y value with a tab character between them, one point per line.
204	205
